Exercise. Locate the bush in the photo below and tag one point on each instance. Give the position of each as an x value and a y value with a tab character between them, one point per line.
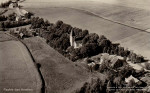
147	66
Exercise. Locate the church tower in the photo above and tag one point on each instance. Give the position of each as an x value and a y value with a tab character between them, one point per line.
72	40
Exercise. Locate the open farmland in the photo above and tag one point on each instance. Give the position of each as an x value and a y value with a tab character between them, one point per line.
139	43
5	37
60	74
17	70
132	13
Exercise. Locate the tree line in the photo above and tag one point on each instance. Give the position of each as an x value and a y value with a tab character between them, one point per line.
5	4
10	20
57	36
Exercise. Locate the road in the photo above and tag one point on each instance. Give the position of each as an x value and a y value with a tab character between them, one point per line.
17	70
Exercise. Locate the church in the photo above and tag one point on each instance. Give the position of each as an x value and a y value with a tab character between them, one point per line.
76	43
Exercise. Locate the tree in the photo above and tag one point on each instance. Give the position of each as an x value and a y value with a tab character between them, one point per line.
147	66
131	83
84	89
85	39
102	37
109	85
96	67
70	49
3	18
104	43
12	17
28	15
58	24
84	33
83	51
117	81
93	38
6	4
103	67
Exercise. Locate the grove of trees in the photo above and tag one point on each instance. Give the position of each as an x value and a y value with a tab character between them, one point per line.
57	36
6	4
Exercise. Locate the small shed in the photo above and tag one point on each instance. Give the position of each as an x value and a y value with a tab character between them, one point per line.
21	35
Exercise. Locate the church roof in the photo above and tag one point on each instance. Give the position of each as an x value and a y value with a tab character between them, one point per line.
79	41
72	33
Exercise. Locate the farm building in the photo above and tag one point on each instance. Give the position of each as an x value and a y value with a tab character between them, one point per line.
127	80
114	60
20	13
14	4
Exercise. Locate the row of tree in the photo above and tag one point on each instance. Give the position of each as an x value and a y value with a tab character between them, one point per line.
5	4
10	24
57	36
10	20
3	18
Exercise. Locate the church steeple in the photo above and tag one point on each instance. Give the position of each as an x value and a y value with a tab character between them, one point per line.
72	34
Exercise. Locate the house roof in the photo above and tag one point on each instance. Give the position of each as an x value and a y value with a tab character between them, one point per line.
114	60
72	32
130	78
79	41
20	12
111	57
13	1
21	34
105	56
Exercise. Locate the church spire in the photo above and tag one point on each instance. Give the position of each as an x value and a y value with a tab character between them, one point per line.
72	37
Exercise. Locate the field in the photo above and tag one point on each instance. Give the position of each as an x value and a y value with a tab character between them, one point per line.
60	74
5	37
121	21
17	71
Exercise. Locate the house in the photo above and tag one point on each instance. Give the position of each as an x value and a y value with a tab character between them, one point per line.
91	65
127	80
20	13
13	4
76	43
116	62
104	57
32	32
21	35
16	32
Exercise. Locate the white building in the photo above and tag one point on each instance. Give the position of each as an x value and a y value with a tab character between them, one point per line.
73	42
14	4
130	78
20	13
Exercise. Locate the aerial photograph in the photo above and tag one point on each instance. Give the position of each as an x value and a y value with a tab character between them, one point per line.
74	46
